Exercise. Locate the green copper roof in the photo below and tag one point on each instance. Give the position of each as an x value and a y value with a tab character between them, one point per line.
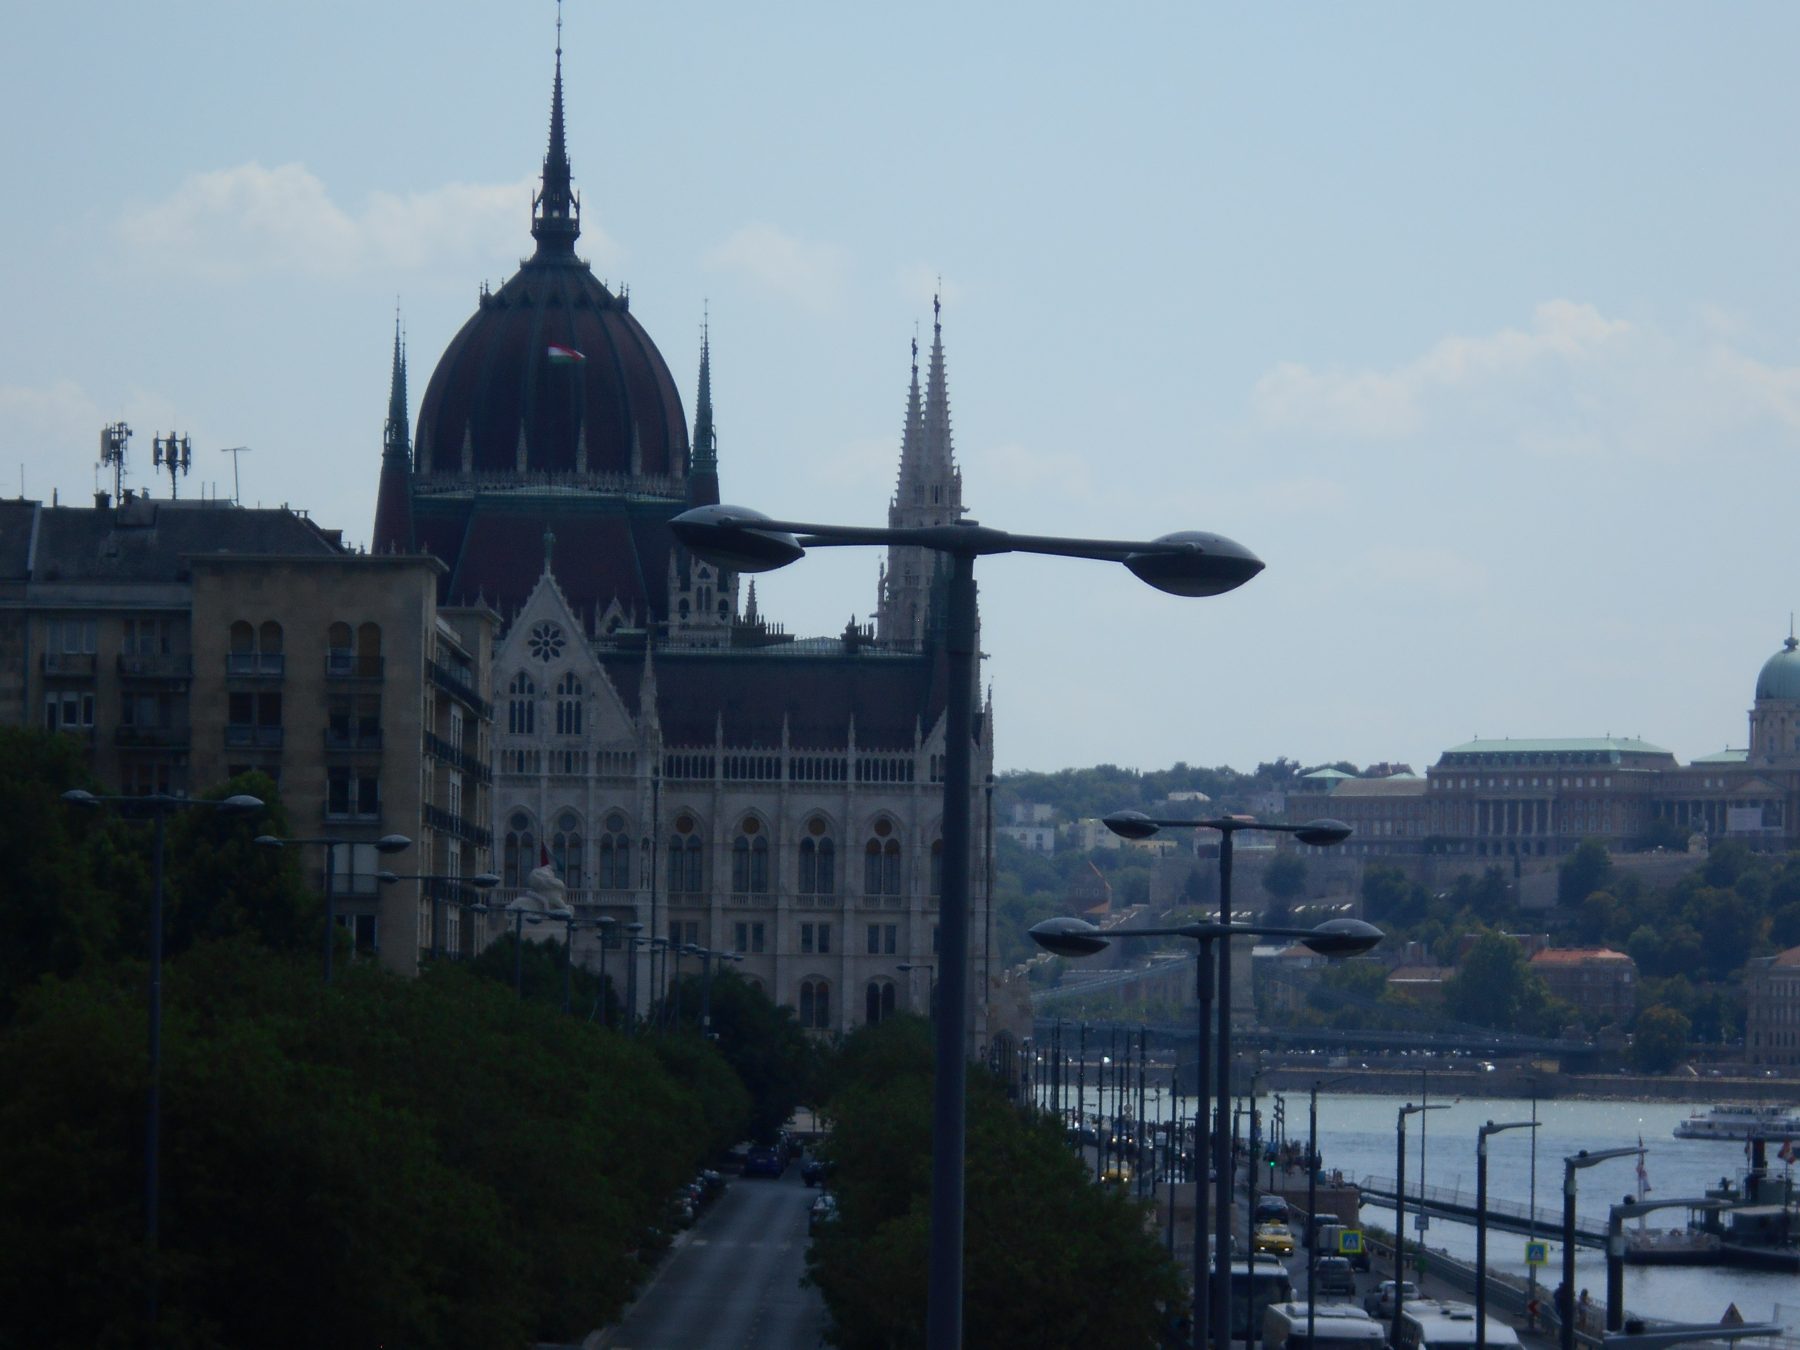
1623	745
1327	773
1724	757
1780	675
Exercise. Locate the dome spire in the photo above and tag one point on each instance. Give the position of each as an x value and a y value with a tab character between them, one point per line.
393	496
556	209
703	477
396	443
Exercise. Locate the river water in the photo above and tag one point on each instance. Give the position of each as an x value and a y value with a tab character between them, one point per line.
1357	1136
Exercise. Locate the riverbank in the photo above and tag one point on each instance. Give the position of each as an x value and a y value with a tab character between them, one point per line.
1507	1081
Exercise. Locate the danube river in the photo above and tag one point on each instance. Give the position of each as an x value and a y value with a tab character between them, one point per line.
1357	1136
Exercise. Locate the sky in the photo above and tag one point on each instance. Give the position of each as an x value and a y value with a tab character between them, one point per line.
1478	324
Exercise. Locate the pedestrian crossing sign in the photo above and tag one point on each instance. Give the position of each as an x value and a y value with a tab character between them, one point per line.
1350	1242
1537	1253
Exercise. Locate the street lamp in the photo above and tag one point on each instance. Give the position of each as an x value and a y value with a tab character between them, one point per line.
388	843
1481	1157
1334	937
1320	833
1572	1165
1400	1212
485	881
633	940
1615	1246
1312	1199
605	926
1192	564
930	983
157	806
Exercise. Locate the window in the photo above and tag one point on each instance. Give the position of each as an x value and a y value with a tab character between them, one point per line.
73	637
749	937
70	710
815	1004
686	851
883	939
368	649
815	938
615	854
518	851
750	859
568	706
565	850
881	861
353	792
878	1001
521	705
340	654
817	861
684	932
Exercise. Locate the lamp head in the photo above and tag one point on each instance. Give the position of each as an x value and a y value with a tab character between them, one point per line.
479	907
242	804
634	928
1204	564
1343	937
727	536
387	878
485	880
1068	936
1130	824
392	843
269	841
80	797
1323	832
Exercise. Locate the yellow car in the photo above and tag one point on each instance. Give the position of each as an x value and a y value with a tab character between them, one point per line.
1274	1239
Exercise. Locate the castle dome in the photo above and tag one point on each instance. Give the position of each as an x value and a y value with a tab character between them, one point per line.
552	381
1780	675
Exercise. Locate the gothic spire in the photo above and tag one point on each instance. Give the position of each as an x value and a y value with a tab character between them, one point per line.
703	476
393	494
556	209
397	437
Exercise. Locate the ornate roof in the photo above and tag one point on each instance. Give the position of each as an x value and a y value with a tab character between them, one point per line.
1780	674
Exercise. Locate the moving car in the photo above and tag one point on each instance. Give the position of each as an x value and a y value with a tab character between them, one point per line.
1333	1277
1273	1238
1381	1299
765	1161
1271	1209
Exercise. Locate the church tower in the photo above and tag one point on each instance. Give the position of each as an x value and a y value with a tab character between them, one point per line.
929	493
393	499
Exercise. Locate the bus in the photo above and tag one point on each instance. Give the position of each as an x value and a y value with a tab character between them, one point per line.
1441	1325
1255	1284
1336	1326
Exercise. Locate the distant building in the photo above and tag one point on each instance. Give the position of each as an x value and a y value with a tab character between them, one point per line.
1599	983
1772	1011
1086	835
1036	838
1032	813
1385	815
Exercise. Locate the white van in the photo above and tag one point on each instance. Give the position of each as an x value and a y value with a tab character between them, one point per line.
1336	1326
1434	1325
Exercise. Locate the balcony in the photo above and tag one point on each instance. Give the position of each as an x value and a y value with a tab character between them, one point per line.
254	738
255	665
448	822
151	738
442	749
343	664
176	669
69	663
452	683
361	738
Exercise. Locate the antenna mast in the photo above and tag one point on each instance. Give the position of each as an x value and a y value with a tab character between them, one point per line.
174	453
234	451
113	437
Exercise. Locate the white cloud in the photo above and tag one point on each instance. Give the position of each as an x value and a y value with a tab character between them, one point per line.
33	420
229	223
811	275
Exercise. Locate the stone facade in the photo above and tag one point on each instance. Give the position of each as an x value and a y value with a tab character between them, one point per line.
1772	1011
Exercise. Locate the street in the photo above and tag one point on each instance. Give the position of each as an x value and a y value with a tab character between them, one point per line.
734	1284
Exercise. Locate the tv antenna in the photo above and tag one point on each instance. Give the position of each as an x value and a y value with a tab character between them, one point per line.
113	437
174	453
234	451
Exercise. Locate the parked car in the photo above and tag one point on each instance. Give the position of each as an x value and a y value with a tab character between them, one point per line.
824	1209
1333	1277
1380	1301
1273	1238
765	1161
813	1170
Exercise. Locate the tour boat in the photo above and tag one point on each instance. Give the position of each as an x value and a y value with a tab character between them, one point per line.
1741	1122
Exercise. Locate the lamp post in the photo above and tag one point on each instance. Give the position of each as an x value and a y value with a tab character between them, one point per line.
1481	1159
1400	1213
1312	1199
157	806
388	843
485	881
706	959
1335	937
1615	1247
1320	833
605	926
673	1020
930	984
633	940
1571	1165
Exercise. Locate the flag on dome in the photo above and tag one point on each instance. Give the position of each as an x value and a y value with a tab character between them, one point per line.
564	356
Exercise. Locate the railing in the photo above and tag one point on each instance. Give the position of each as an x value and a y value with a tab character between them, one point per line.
156	667
150	738
343	664
68	663
1448	1199
453	684
361	739
260	738
462	759
450	823
256	665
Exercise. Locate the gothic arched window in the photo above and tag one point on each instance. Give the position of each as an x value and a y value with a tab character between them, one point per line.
568	706
818	860
521	705
565	850
750	859
615	854
815	1004
686	857
881	861
878	1001
518	851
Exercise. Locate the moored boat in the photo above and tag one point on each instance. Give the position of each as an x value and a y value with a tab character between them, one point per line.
1741	1122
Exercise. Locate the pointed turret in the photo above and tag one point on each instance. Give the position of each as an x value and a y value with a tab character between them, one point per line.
393	497
703	475
556	209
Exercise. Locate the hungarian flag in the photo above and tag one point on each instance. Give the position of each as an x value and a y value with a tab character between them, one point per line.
564	356
1788	1152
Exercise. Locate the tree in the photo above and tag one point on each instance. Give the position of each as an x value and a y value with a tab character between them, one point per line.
1390	899
1285	878
1495	987
1583	872
1660	1040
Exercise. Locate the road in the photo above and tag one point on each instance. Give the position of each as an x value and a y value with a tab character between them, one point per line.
735	1283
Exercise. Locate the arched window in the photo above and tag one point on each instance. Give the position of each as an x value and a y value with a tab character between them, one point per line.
818	860
565	850
521	705
881	861
815	1004
615	854
339	639
518	852
878	1001
750	859
568	706
368	649
686	855
243	637
268	638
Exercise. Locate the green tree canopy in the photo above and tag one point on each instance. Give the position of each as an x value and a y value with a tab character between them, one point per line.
1583	872
1660	1040
1496	987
